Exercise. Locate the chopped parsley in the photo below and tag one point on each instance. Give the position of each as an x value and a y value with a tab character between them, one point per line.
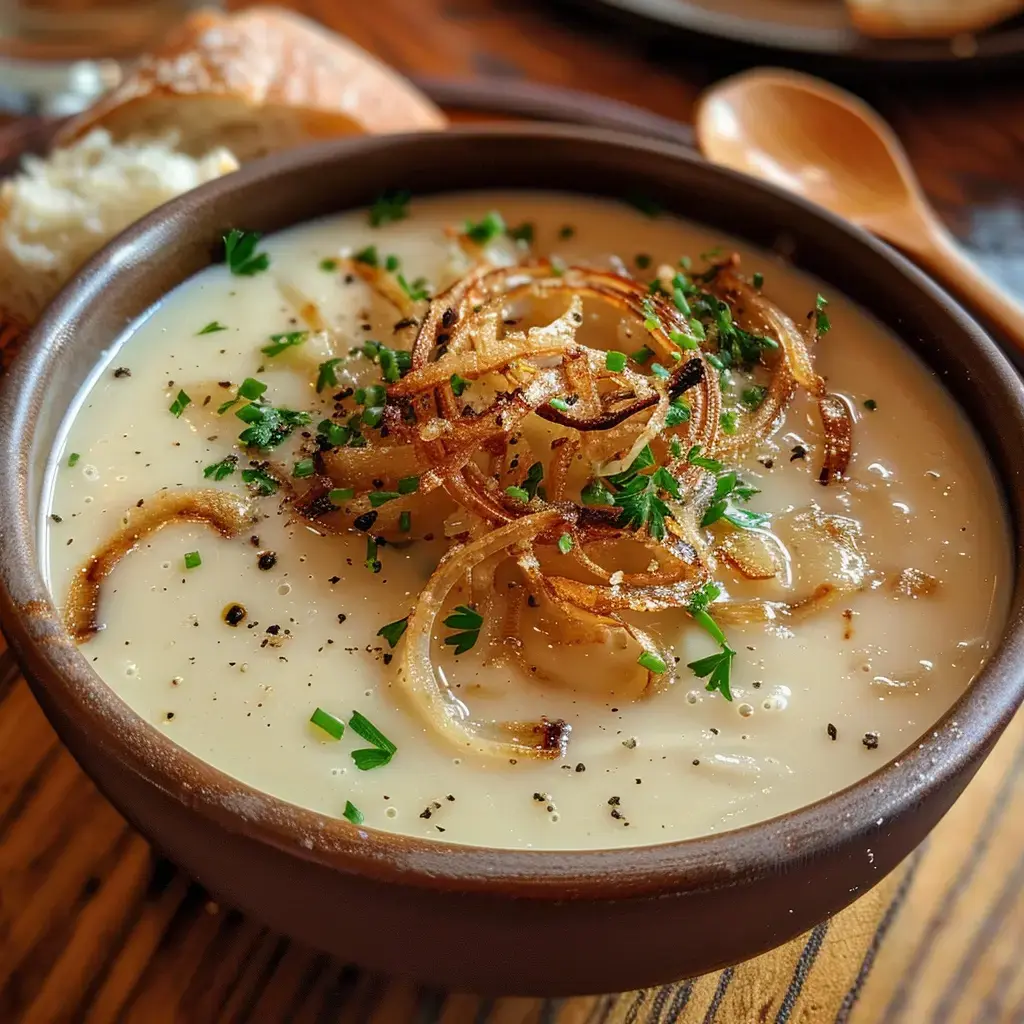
678	413
595	493
468	622
73	459
241	255
565	543
249	389
717	668
368	256
268	425
334	727
721	507
328	264
650	661
694	458
753	396
408	485
390	207
698	329
728	421
534	476
518	493
417	291
393	631
642	260
458	384
638	498
352	813
393	363
263	483
486	230
212	327
822	324
698	609
281	342
373	415
325	376
222	469
652	321
615	361
683	340
382	748
332	435
180	404
303	468
340	495
193	560
524	233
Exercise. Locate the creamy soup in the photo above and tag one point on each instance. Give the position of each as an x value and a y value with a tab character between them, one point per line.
724	604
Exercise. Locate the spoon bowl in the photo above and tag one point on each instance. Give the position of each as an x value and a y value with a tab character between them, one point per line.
828	146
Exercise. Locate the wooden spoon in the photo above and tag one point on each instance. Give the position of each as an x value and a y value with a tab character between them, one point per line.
831	148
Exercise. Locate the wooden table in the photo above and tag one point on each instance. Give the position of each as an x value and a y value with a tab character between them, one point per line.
94	928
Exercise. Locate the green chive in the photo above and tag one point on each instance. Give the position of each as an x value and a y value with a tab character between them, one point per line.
251	389
651	662
615	361
560	404
683	340
180	404
193	560
680	300
373	416
408	485
641	355
758	280
565	543
698	329
405	522
304	467
378	498
73	458
212	327
392	263
334	727
340	495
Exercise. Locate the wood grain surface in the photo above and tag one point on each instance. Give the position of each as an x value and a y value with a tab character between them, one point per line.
96	928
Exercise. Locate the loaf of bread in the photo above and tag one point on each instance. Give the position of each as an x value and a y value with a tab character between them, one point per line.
929	18
258	81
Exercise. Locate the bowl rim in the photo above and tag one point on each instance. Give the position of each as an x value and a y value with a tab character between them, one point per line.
952	746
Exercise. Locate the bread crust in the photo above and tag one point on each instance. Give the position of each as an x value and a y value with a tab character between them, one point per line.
267	62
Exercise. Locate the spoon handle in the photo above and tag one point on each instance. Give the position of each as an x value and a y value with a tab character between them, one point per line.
961	274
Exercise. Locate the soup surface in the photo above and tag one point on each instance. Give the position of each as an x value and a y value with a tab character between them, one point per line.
887	587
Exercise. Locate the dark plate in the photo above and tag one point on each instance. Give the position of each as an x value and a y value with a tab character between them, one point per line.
811	32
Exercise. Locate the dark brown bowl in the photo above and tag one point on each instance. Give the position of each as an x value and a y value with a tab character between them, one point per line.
463	917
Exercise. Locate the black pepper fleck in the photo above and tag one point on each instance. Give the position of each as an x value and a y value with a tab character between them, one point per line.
832	731
267	560
870	740
234	614
798	452
122	371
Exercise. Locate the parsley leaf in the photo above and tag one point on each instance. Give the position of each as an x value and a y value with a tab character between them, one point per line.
212	327
383	749
240	253
280	342
263	483
393	631
268	426
180	404
483	231
389	207
417	291
717	668
469	622
222	469
352	813
821	321
326	377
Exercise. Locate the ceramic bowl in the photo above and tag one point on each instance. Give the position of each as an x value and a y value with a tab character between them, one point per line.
526	922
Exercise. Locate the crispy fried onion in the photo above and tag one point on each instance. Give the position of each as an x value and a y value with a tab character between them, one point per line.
464	419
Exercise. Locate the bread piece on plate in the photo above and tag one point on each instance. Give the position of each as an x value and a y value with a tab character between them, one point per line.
902	19
256	82
58	211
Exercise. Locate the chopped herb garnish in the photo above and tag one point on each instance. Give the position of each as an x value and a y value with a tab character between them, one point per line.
652	322
458	384
408	485
718	669
378	498
821	321
642	260
389	207
251	389
180	404
262	482
340	495
353	813
332	435
469	623
595	493
394	363
328	264
758	280
645	204
393	631
870	404
641	355
280	342
615	361
753	397
486	230
193	560
417	291
212	327
368	256
268	425
659	371
566	231
303	468
679	298
373	415
698	609
683	340
650	661
372	561
524	233
518	493
560	404
678	413
334	727
326	377
534	475
405	522
222	469
73	459
698	329
744	519
565	543
694	458
637	496
240	253
364	728
728	421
